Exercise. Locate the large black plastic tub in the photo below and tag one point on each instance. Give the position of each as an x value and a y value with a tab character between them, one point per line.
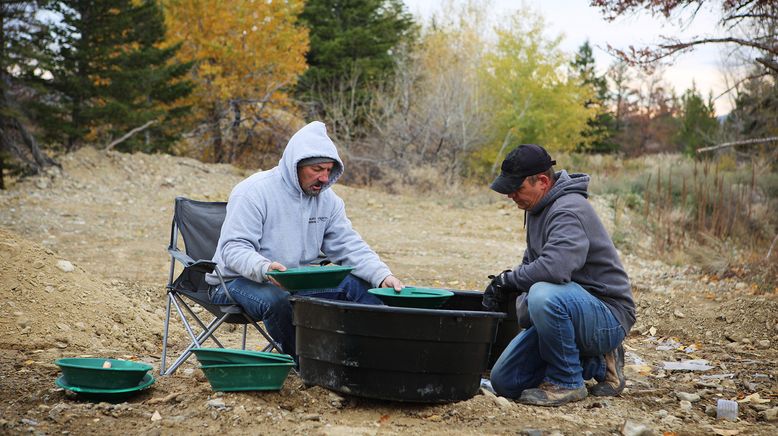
509	326
393	353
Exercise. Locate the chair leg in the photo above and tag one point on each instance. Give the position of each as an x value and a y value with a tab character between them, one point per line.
186	324
196	343
245	330
200	322
164	336
271	342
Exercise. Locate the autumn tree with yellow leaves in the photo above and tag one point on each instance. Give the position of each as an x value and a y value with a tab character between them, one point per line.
246	54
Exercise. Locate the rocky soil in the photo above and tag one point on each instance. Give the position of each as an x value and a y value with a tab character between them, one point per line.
84	269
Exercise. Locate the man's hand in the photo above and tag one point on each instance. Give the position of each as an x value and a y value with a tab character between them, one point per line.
275	266
392	282
495	292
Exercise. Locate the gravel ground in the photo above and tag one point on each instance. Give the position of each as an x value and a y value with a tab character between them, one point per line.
84	274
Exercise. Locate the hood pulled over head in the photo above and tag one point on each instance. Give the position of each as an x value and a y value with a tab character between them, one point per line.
309	142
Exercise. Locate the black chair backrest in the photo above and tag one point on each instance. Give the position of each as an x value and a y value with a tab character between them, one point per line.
200	224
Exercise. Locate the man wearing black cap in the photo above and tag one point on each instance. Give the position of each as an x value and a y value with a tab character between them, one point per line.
575	301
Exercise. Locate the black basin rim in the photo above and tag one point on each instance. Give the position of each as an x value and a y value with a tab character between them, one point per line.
407	310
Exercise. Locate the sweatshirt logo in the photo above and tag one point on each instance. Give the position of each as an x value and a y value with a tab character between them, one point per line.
314	220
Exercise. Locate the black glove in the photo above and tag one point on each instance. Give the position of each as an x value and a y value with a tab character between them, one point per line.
495	293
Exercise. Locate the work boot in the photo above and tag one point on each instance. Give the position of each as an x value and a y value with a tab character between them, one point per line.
614	375
549	394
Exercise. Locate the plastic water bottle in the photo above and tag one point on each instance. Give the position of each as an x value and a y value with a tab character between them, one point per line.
726	409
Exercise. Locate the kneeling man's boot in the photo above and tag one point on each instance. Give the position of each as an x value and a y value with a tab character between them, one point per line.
549	394
614	375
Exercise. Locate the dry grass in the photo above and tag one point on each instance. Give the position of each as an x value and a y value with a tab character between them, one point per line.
720	215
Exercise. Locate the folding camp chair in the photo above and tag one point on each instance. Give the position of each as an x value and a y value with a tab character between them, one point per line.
199	223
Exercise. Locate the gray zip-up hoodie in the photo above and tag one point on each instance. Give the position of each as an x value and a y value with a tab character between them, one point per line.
270	219
566	241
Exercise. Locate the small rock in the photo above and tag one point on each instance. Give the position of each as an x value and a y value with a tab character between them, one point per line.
336	400
30	422
710	410
740	286
216	403
189	372
685	396
763	344
503	403
632	428
671	420
770	414
678	314
487	393
65	266
55	414
686	406
156	416
311	417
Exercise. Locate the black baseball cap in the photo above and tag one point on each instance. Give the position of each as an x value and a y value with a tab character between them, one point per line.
523	161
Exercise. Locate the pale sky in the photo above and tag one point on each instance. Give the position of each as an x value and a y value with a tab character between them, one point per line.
577	22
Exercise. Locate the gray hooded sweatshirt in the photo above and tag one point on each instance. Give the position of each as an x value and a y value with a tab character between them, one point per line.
270	219
566	242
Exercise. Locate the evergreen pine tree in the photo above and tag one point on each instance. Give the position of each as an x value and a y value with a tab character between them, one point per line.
698	123
111	75
351	44
599	129
22	37
756	109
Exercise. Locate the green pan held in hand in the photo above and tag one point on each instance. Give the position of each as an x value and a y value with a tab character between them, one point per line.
99	373
311	277
423	298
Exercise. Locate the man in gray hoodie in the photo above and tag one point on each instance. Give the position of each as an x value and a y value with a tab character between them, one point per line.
575	300
285	218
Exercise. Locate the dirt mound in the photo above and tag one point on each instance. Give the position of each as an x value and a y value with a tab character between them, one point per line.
53	303
111	210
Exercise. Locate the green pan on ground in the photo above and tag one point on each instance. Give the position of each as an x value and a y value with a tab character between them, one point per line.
99	373
105	395
247	377
221	356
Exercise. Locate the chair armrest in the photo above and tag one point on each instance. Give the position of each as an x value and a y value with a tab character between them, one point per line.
181	257
203	266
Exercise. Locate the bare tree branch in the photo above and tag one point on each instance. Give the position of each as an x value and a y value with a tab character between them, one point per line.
129	134
736	143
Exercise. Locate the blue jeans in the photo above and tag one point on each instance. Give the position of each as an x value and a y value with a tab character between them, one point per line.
571	332
268	303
